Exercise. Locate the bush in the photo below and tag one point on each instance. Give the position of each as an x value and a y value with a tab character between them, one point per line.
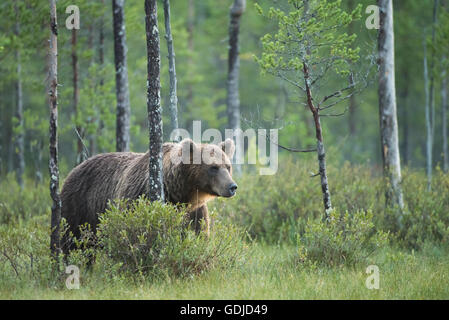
276	208
15	204
342	240
25	253
151	238
426	218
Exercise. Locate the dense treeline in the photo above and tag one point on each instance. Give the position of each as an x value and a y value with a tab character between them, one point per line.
362	115
200	33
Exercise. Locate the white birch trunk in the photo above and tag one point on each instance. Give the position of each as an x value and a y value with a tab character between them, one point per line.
121	76
173	96
156	183
444	116
233	100
53	160
18	115
429	144
387	106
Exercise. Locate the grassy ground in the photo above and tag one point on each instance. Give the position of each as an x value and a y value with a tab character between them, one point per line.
269	274
274	210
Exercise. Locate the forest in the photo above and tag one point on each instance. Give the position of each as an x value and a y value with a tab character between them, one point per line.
333	114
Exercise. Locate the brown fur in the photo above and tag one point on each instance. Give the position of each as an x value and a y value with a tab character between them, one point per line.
109	176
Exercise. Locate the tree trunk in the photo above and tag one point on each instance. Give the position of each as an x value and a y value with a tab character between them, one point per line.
37	152
387	106
76	97
173	106
101	43
190	46
444	116
432	67
352	102
1	145
444	103
101	62
405	126
156	190
121	77
92	120
429	144
18	115
233	101
320	144
53	161
431	122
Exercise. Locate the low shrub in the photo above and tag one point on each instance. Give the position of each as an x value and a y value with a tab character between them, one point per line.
426	218
346	239
151	239
15	204
276	208
25	252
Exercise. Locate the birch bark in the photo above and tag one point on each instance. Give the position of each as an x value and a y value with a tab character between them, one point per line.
233	100
156	186
121	77
387	106
53	161
173	96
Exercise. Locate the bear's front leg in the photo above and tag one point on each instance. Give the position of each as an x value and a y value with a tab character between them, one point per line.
196	218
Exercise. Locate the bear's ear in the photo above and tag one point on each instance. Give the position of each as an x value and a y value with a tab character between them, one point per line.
188	147
228	147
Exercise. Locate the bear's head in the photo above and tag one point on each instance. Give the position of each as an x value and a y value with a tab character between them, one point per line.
210	168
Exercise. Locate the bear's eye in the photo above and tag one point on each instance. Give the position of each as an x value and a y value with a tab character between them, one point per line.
214	169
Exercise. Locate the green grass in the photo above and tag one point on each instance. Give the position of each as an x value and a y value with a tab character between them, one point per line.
269	273
414	264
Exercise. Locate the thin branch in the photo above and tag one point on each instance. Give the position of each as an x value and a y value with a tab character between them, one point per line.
86	151
290	81
294	150
335	115
336	102
336	94
11	261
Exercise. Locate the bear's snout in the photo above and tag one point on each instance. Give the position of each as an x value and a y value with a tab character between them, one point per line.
232	189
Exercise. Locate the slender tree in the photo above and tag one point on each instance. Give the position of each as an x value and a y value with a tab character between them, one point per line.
92	120
352	101
101	42
444	102
101	62
76	98
173	105
306	50
156	185
429	138
387	106
121	76
18	115
53	160
233	101
190	46
405	118
443	47
1	146
429	83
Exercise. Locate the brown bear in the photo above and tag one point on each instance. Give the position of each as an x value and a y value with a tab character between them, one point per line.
193	174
